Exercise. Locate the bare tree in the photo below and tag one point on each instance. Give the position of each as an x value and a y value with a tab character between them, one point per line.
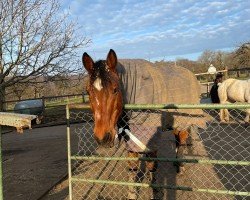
243	55
206	58
18	90
36	39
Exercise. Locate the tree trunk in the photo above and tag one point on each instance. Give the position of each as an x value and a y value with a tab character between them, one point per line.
2	99
35	93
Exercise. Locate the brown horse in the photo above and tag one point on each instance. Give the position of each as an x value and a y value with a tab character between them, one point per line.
105	96
106	104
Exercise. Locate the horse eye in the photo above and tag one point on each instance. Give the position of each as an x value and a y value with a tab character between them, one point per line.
115	91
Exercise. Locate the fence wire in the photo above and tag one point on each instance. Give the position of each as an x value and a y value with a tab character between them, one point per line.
216	159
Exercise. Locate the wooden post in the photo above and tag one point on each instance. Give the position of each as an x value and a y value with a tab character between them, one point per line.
226	72
83	99
208	90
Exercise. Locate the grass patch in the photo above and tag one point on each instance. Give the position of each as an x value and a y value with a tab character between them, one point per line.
63	102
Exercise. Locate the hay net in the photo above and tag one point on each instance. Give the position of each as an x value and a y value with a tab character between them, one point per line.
144	83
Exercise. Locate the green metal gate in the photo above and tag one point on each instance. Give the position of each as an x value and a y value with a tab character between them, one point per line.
217	159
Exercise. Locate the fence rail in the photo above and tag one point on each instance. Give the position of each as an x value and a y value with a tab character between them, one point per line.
53	110
221	162
44	97
171	106
47	100
216	156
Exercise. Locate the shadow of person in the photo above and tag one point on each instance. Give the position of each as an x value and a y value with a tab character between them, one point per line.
159	175
166	174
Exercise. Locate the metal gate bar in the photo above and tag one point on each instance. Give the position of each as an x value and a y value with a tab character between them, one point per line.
200	161
172	106
161	186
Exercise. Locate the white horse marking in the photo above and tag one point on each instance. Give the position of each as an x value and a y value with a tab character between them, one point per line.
98	115
98	84
98	103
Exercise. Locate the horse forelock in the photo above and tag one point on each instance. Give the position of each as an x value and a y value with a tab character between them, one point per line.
100	77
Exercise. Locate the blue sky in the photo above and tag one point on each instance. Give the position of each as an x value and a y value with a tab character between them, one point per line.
158	29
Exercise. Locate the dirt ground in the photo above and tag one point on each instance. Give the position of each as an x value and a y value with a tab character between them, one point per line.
34	161
195	176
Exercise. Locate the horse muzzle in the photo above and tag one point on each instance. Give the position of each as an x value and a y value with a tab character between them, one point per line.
107	141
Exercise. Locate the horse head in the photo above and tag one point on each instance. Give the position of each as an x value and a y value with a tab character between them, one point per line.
105	96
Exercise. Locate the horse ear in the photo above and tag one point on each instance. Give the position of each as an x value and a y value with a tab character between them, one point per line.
88	63
112	60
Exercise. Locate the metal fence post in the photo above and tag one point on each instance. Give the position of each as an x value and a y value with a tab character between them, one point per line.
69	151
1	166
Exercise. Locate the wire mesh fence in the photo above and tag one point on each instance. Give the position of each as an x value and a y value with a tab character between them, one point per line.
212	163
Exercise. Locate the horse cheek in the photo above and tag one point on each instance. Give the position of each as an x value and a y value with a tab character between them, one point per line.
120	105
117	109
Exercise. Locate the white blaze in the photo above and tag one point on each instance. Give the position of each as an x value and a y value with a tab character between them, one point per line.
98	84
98	116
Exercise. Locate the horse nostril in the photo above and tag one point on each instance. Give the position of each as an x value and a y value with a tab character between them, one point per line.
106	141
107	138
111	145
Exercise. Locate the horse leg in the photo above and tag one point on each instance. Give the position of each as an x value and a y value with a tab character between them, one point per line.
247	116
181	143
226	115
247	113
222	115
133	167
